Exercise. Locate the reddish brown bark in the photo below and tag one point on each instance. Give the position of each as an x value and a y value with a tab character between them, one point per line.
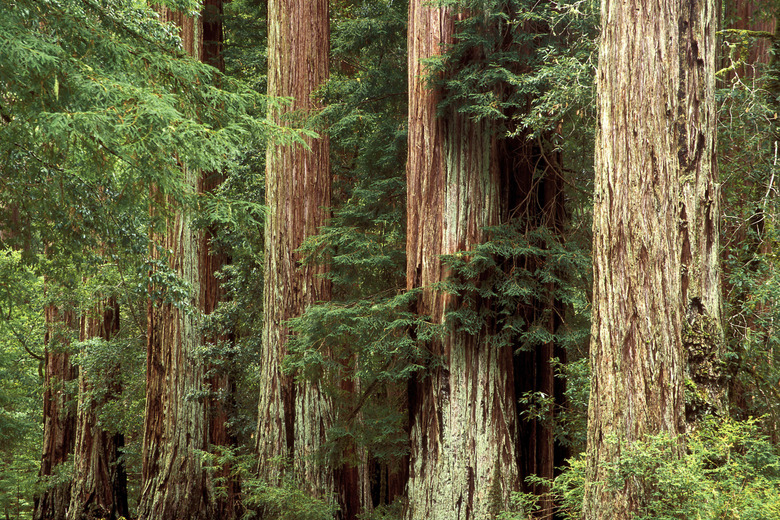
99	479
211	260
59	411
178	426
294	418
464	425
750	57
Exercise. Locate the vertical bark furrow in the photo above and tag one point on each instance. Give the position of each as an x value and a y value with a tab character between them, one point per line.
700	212
462	461
59	412
292	417
175	484
99	480
656	131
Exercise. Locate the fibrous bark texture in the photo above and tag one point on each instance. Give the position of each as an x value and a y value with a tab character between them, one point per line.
293	418
653	227
220	381
703	336
59	412
463	412
99	479
175	426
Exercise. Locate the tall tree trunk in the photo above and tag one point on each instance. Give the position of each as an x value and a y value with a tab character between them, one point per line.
175	427
463	412
654	193
703	337
750	15
293	418
746	234
99	479
175	484
220	382
59	411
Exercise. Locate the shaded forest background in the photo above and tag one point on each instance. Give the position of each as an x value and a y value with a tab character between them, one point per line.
134	310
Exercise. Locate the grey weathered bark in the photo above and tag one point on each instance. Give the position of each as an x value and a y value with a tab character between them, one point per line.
703	336
99	479
463	412
655	227
59	411
293	418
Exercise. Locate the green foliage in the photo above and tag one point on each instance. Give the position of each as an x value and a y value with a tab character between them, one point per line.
514	286
100	104
748	130
517	268
102	113
284	500
21	377
393	511
729	469
358	345
245	47
528	64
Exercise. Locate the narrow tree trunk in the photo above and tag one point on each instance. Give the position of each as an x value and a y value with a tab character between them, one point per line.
211	261
462	461
656	125
59	411
99	479
293	418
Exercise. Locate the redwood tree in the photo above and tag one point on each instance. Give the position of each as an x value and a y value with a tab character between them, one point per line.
174	483
59	411
293	418
655	227
463	411
99	478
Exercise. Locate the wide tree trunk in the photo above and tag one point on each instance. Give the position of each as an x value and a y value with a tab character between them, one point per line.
293	418
59	411
175	427
175	484
99	478
463	412
654	226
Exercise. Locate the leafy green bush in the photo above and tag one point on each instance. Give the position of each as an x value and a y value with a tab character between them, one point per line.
729	470
258	498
